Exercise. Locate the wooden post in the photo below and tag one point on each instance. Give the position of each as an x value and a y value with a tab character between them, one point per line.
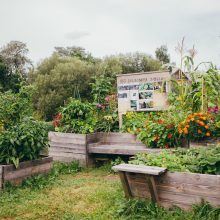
152	188
125	184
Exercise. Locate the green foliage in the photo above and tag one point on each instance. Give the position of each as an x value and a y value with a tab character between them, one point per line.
162	54
22	142
77	117
9	81
14	55
56	79
138	209
15	106
196	160
153	129
101	87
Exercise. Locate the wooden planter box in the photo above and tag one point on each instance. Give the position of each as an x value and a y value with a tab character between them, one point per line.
67	147
8	173
175	188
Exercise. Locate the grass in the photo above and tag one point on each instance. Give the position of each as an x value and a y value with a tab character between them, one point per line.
88	194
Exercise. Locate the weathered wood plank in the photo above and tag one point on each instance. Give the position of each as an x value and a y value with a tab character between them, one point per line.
71	155
20	174
118	138
150	170
66	135
121	149
182	177
22	165
125	184
152	188
57	148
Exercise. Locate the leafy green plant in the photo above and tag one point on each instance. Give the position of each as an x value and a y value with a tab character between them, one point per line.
14	107
77	117
197	160
22	142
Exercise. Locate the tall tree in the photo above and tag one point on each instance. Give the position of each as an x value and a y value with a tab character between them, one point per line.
162	54
14	55
8	81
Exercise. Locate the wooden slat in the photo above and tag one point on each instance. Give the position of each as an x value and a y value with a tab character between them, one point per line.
178	188
121	149
58	148
150	170
20	174
67	138
22	165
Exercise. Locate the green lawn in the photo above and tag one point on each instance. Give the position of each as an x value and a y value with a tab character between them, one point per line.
85	195
89	194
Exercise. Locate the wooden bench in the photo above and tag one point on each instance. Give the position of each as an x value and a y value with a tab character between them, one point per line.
149	171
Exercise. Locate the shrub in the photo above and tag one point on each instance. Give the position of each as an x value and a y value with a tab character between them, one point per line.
22	142
76	117
14	107
153	129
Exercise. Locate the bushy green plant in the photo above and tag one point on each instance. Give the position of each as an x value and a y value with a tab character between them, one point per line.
22	142
153	129
77	117
14	107
196	160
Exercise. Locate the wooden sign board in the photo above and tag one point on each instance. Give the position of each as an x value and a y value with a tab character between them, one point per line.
146	91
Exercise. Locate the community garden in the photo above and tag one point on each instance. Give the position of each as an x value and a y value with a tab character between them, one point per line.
73	92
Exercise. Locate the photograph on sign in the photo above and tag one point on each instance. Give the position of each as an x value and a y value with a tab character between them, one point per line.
145	104
146	86
133	94
133	104
122	95
146	95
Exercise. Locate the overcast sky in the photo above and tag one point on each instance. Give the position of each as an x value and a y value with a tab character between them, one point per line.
107	27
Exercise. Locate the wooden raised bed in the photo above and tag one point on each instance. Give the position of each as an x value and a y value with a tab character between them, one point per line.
8	173
173	188
67	147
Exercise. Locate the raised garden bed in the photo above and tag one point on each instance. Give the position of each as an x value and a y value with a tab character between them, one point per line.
8	173
180	189
67	147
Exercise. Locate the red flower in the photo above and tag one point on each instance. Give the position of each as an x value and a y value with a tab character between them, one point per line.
157	139
138	130
169	135
169	126
57	119
160	121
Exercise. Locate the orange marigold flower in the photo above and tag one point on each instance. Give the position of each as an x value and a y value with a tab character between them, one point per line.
129	130
206	126
187	126
201	113
208	134
138	130
185	130
199	131
202	123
